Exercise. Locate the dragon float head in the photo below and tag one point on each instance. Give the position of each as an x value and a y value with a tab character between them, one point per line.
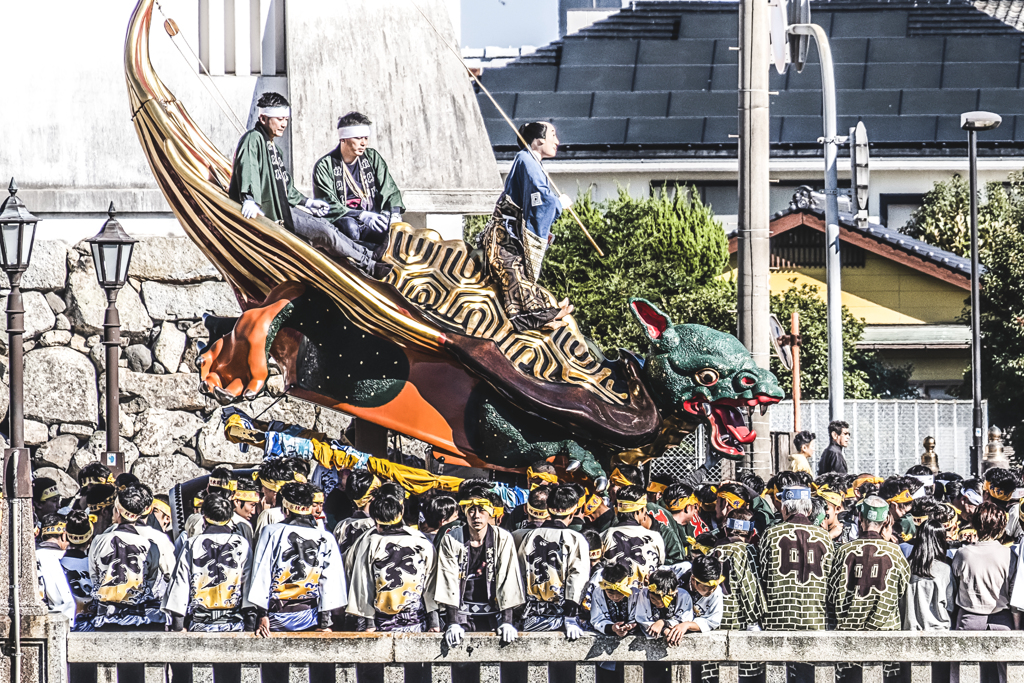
705	373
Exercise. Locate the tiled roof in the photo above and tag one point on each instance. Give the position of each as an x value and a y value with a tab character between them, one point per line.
658	79
1009	12
806	200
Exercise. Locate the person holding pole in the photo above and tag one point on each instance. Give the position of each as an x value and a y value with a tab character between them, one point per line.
519	233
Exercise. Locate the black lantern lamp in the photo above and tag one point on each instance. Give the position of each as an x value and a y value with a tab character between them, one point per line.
112	254
17	233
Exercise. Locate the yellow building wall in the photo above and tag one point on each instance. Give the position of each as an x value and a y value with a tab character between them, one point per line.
882	292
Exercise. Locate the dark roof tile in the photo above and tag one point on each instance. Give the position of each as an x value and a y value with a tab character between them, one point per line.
988	49
672	78
506	100
545	105
984	75
627	104
517	78
868	102
577	52
868	24
645	131
595	78
700	102
917	102
903	49
1001	101
676	52
795	103
592	131
887	76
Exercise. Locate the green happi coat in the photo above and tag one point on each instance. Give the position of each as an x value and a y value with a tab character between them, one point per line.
868	579
383	194
795	559
742	596
252	174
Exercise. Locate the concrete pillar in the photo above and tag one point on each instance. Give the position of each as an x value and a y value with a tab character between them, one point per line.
241	32
215	36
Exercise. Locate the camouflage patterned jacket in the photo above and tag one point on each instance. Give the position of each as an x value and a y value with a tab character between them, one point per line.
795	558
869	576
743	597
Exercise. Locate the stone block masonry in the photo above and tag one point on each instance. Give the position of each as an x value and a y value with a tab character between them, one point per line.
169	431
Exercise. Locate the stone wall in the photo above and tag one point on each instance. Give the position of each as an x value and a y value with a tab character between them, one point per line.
169	431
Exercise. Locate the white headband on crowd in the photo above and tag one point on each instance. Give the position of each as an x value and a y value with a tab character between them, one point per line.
361	131
275	112
925	479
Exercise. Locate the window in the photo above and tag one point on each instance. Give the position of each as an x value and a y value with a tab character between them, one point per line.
894	210
242	37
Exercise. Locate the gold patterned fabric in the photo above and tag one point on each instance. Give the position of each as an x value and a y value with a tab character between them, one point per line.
514	267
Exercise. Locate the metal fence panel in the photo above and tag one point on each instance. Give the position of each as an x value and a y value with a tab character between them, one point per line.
687	456
887	436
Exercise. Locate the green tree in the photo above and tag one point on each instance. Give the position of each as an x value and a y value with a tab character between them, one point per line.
672	251
945	215
944	218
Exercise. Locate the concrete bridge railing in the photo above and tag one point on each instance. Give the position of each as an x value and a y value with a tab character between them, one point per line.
344	651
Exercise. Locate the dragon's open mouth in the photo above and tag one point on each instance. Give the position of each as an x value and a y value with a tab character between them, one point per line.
729	430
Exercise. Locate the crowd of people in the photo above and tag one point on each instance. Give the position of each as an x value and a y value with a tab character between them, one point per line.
268	551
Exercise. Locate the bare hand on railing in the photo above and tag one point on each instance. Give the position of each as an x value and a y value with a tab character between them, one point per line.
263	629
656	628
622	628
674	635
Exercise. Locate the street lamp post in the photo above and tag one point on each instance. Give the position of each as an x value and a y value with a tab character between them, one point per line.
17	235
112	254
972	122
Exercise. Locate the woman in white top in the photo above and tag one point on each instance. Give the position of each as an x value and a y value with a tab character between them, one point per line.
928	601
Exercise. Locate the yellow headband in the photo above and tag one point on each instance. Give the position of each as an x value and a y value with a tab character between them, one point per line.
702	549
125	515
734	501
543	476
481	503
656	487
89	481
161	506
596	554
901	497
246	496
219	483
867	479
368	496
850	493
592	504
619	479
631	506
622	586
1004	497
397	519
710	584
82	539
297	509
318	497
197	502
48	493
652	588
680	504
55	529
831	497
272	484
537	513
210	521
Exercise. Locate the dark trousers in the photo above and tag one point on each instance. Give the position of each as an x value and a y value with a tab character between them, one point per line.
358	232
324	236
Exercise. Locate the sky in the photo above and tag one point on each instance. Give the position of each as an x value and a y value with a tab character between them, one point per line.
509	23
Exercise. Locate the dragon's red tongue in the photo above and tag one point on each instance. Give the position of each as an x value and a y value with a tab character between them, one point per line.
733	421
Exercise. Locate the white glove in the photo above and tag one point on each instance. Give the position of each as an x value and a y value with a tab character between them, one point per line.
572	629
250	209
395	218
375	221
507	632
565	200
318	206
453	636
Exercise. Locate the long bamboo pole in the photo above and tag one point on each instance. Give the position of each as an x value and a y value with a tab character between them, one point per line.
512	125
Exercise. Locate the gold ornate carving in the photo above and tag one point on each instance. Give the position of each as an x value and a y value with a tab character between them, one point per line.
451	287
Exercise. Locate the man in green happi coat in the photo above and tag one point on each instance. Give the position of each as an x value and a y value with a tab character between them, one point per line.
262	185
355	182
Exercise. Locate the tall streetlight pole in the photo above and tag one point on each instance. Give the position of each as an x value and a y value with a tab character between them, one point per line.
112	254
17	236
972	122
753	253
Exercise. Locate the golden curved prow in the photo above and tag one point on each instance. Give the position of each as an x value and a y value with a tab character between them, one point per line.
254	255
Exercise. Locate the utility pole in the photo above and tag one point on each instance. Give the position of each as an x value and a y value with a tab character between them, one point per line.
753	252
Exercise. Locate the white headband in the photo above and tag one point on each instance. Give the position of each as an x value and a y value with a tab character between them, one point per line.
926	479
346	132
919	493
275	112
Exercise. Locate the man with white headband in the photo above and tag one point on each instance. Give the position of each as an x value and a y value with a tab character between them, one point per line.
262	185
354	180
